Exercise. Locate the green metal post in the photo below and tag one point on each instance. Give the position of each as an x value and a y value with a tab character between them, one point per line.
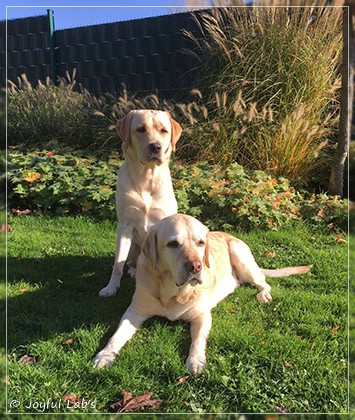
50	15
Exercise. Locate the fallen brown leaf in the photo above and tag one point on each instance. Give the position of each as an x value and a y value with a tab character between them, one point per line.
280	409
288	365
127	396
71	399
68	342
269	253
340	240
26	360
183	379
129	404
335	329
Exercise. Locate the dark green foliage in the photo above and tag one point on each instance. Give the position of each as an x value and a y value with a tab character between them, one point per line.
62	181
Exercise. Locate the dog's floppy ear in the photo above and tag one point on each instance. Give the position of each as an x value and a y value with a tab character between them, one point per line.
206	258
175	132
123	128
150	247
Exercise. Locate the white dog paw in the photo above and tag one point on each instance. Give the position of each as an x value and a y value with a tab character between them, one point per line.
103	358
195	365
264	297
108	291
132	272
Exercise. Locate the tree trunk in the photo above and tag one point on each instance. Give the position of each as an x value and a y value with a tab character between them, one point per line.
336	182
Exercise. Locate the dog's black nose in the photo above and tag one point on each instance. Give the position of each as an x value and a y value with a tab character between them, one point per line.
194	266
154	147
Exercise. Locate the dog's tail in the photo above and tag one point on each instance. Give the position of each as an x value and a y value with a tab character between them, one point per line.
287	271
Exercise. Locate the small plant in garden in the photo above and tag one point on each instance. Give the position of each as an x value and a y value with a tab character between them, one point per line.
232	197
63	181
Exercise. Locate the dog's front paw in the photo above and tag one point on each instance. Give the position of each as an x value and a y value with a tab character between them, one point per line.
264	296
103	358
108	291
195	365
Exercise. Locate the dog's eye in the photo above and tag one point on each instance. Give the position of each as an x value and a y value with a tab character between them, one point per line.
173	244
201	243
141	130
164	131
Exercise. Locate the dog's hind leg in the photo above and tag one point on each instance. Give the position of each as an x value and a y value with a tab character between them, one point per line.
124	241
247	270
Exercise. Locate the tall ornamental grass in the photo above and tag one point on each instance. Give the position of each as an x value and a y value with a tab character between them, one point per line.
283	62
48	112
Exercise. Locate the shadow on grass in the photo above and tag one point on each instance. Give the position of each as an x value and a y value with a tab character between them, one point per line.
55	295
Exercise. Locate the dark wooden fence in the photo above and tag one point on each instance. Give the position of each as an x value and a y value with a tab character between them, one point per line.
144	54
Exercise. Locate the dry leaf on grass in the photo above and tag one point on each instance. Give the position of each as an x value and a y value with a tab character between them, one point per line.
68	342
269	253
129	404
335	329
27	360
183	379
72	399
280	409
340	240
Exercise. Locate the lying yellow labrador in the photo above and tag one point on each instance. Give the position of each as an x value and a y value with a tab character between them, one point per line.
144	193
182	273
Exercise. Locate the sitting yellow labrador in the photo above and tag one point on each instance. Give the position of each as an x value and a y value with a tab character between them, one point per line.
182	273
144	193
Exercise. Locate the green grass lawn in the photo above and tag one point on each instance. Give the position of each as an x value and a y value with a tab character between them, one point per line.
291	354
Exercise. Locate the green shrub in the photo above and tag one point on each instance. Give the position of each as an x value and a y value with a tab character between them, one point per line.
62	181
230	196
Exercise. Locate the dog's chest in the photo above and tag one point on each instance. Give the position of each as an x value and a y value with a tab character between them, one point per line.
150	210
174	310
